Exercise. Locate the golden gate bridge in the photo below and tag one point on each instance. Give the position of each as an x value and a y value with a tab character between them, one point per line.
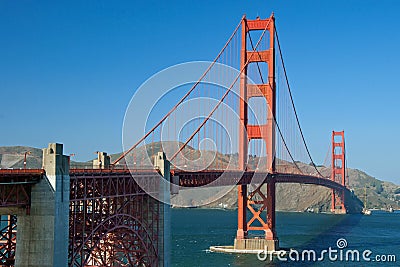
243	130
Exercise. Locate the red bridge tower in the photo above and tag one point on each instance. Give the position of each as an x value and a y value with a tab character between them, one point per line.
257	202
338	173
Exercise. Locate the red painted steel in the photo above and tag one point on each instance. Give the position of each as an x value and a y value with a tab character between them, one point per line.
15	186
338	171
33	173
226	178
113	222
8	239
248	132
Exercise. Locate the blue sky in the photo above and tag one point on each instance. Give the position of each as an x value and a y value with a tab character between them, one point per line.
69	68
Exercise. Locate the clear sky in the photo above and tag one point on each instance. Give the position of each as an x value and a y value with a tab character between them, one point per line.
69	68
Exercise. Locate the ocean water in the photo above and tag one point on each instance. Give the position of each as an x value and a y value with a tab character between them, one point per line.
195	230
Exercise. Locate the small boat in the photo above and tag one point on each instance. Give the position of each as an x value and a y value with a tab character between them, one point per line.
223	206
366	212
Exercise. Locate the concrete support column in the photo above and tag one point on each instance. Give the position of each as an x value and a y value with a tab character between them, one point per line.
164	243
102	161
42	238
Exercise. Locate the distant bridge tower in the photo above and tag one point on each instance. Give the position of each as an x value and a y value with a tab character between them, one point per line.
264	132
338	173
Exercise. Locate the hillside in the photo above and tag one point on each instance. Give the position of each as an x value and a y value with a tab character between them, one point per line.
290	197
13	157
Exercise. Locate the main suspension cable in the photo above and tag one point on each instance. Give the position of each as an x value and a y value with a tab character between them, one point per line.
182	99
275	120
222	98
291	99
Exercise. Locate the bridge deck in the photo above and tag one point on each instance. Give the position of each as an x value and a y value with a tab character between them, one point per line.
20	176
226	178
214	178
186	178
15	186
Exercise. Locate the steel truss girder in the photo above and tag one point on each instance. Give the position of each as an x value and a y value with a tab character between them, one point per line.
113	222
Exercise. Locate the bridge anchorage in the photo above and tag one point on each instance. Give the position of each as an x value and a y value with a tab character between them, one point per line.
99	216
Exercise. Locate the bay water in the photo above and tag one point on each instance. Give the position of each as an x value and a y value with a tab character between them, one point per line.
195	230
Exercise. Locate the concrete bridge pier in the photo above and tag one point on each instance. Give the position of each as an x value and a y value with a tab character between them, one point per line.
42	238
102	162
164	241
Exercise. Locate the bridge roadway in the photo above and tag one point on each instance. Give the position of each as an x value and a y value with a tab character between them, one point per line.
15	186
225	178
22	178
213	178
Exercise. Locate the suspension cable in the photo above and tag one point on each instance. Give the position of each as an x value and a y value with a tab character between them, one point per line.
291	99
222	98
275	120
182	99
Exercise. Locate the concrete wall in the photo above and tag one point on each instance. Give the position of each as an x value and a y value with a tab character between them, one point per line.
164	242
42	236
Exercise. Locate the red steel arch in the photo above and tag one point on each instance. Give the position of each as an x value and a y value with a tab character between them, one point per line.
113	222
125	243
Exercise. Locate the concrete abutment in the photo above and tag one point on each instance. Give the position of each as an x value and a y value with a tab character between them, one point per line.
42	238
